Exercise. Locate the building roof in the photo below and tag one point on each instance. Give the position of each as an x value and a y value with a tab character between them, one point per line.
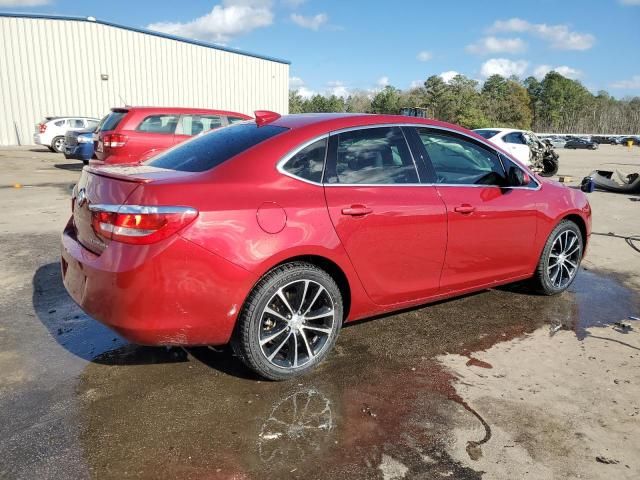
141	30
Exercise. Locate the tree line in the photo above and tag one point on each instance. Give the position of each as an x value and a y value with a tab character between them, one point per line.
555	104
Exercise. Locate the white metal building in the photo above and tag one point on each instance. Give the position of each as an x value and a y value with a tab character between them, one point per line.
75	66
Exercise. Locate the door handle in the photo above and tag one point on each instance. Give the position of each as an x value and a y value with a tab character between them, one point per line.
357	210
465	209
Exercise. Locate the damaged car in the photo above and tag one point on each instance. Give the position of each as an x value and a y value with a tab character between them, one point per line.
525	146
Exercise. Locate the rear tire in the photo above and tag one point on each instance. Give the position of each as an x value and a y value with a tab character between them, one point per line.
560	260
57	144
290	321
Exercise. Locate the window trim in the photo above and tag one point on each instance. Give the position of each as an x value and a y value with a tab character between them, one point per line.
178	116
484	144
292	153
336	133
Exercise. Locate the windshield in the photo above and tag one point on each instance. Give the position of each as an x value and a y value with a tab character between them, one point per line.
210	149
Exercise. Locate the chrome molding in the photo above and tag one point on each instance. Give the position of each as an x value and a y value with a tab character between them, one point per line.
484	142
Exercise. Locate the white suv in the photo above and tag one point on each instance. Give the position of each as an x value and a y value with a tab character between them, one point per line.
50	132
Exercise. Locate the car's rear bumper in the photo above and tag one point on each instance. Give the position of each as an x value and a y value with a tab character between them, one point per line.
170	293
81	151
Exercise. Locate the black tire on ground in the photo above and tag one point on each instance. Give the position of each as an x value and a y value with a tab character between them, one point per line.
246	341
550	167
543	280
50	148
57	144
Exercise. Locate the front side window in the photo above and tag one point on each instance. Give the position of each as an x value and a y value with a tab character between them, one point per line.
373	156
76	123
207	151
460	162
159	124
308	163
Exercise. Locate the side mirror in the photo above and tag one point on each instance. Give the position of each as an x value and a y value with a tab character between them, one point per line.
518	177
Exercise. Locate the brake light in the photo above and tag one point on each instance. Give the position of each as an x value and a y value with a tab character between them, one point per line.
42	127
114	140
139	224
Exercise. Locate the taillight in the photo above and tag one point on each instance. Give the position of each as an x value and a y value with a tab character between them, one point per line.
42	127
114	140
139	224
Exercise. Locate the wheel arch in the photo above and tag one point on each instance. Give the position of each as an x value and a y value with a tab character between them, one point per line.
582	225
332	268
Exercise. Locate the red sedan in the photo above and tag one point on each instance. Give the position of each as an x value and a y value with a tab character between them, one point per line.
270	234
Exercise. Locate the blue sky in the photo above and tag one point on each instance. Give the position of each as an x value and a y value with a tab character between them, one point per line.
336	46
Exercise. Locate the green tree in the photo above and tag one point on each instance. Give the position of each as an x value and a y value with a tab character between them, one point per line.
296	102
386	100
506	103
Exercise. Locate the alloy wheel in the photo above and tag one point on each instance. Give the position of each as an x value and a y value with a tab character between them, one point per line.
296	324
564	259
58	145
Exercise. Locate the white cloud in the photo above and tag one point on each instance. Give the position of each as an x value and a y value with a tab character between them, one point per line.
491	45
540	71
224	21
383	82
295	82
338	89
559	36
23	3
504	67
293	3
312	23
632	83
416	84
424	56
630	2
449	75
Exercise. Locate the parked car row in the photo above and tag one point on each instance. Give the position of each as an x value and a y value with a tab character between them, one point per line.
128	134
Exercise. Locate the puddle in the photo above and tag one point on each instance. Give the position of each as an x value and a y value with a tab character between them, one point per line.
380	407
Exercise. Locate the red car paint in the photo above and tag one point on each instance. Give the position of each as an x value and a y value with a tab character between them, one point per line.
127	143
394	246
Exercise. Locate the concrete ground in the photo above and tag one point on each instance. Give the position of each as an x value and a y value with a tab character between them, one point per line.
500	384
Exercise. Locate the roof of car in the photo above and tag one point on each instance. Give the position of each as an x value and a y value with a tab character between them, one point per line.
336	121
501	130
178	110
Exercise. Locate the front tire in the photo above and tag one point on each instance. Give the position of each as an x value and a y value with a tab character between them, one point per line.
290	321
560	259
57	144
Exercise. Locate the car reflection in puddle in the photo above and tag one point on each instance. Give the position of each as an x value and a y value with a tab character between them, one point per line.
380	406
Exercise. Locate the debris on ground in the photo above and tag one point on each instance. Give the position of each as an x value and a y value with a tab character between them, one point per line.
606	460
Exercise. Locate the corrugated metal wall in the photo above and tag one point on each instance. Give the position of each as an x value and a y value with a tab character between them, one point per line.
54	67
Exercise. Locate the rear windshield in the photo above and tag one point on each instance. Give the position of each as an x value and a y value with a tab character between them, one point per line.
487	133
111	121
209	150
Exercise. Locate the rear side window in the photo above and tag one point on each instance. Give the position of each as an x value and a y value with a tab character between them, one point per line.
159	124
60	123
196	124
461	162
207	151
308	163
515	137
487	133
235	119
378	156
111	121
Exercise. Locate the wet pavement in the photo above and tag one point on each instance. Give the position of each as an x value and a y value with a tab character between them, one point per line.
77	401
